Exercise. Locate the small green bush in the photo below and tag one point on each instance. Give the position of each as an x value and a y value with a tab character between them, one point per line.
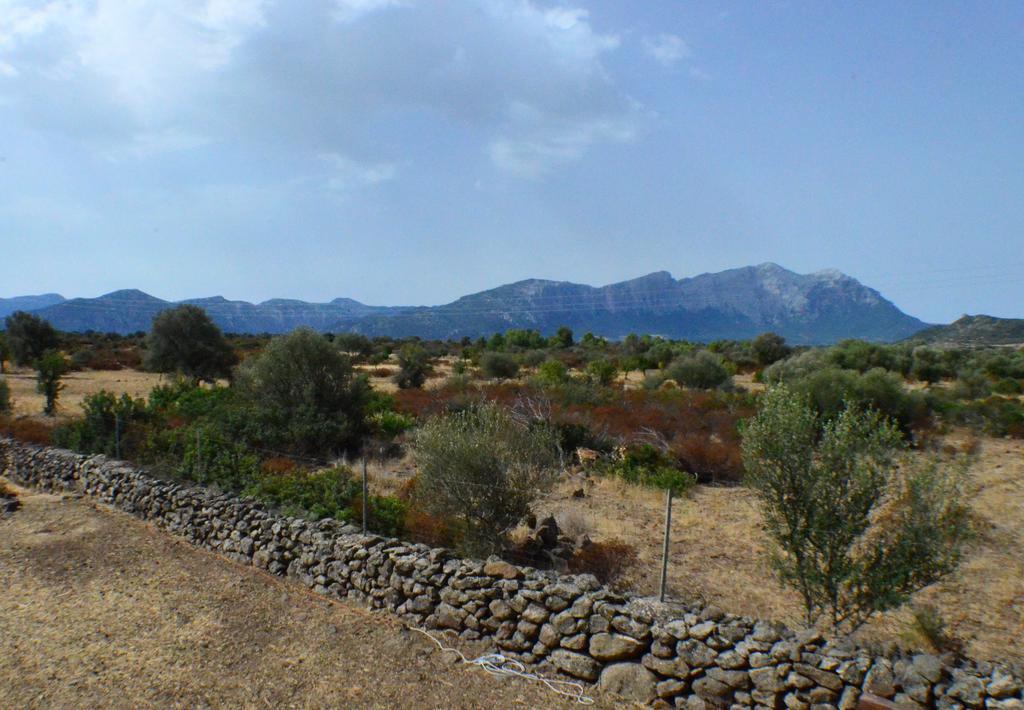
701	370
482	468
552	372
645	465
498	366
327	493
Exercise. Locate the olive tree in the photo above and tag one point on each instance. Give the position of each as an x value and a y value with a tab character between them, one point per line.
50	370
186	341
28	337
483	468
305	394
858	524
413	366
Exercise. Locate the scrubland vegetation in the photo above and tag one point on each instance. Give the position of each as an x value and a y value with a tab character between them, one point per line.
482	428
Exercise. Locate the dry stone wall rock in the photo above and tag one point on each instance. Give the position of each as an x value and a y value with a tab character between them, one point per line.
664	654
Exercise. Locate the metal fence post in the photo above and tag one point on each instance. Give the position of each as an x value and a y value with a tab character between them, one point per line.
366	496
664	549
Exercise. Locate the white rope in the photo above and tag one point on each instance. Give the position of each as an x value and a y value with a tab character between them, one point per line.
497	664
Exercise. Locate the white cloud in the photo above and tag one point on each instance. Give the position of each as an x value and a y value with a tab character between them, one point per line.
352	10
666	49
536	144
315	76
347	174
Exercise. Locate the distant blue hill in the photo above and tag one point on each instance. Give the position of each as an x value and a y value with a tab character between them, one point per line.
822	307
28	303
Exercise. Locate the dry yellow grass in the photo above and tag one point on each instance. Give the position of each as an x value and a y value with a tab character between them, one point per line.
717	555
100	610
78	386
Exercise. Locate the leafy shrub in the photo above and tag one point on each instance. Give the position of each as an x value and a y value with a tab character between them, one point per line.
498	366
1007	386
386	515
413	366
701	370
858	527
606	560
552	372
105	423
645	465
327	493
971	384
482	468
602	371
211	457
828	390
390	424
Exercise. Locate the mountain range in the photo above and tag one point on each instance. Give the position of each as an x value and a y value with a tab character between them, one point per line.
975	330
816	308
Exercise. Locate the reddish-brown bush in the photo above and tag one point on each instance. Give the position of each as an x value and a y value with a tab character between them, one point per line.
278	466
31	431
383	371
421	526
606	560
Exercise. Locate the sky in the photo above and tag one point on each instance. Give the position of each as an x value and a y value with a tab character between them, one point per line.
404	152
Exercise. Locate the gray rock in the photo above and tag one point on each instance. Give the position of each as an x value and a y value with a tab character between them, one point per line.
879	680
695	653
575	664
614	647
1002	684
630	681
968	689
710	689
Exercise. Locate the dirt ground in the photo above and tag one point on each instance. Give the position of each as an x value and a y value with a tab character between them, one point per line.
716	554
101	610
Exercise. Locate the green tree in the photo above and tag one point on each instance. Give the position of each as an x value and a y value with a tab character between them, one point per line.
413	366
602	371
186	341
305	394
858	525
482	468
768	348
927	365
499	366
28	337
50	370
563	337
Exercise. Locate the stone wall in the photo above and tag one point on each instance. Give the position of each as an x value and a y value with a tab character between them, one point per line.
667	655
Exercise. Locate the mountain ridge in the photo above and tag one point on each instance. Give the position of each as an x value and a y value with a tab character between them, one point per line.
820	307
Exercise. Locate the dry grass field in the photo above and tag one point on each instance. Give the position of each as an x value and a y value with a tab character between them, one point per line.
717	556
100	610
78	386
